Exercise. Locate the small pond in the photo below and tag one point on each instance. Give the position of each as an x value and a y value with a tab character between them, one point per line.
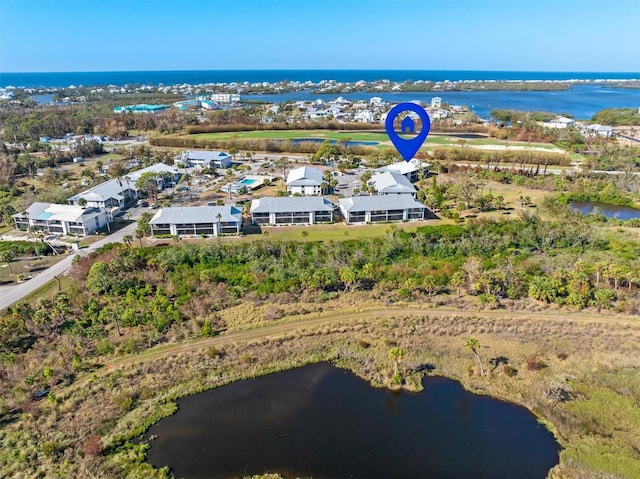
606	209
322	422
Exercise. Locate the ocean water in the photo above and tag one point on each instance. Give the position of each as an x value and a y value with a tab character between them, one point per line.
580	101
64	79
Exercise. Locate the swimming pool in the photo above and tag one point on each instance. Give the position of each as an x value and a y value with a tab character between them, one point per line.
247	181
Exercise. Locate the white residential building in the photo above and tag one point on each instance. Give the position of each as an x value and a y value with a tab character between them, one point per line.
62	219
116	193
380	209
387	183
410	169
436	102
305	181
196	221
203	159
365	116
599	130
291	210
560	122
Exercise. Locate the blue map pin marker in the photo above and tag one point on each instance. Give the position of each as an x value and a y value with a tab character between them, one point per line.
408	148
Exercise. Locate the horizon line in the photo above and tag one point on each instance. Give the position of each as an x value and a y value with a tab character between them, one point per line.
320	69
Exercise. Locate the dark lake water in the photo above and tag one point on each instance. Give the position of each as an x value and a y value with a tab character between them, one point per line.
322	422
610	211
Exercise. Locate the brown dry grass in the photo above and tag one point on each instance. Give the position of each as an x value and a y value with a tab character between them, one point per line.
595	351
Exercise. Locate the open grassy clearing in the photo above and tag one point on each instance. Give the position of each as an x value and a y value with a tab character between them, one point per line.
381	137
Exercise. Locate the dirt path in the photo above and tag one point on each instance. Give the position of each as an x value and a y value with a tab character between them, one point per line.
307	322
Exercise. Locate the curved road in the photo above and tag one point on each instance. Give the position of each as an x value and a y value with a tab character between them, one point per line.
11	294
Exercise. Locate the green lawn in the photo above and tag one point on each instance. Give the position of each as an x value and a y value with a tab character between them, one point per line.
382	138
339	231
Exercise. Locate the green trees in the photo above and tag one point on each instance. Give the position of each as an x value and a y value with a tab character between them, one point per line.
144	227
148	182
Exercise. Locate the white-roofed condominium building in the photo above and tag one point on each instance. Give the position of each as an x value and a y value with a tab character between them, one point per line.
291	211
382	209
62	219
197	221
305	181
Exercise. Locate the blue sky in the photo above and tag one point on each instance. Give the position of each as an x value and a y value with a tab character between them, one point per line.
518	35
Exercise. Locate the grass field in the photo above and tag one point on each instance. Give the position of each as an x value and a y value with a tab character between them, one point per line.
381	137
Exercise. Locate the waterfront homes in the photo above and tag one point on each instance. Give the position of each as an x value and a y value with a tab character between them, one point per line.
62	219
116	193
559	122
197	220
305	181
203	159
387	183
377	209
291	210
411	169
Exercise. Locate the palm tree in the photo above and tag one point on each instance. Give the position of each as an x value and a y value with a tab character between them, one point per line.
473	345
139	235
219	218
127	240
396	354
7	256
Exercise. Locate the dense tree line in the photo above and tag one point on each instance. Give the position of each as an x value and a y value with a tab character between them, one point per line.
618	117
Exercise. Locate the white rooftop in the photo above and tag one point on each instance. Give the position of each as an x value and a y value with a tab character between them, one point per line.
158	168
290	203
404	167
56	212
388	182
203	155
380	203
305	176
109	189
197	214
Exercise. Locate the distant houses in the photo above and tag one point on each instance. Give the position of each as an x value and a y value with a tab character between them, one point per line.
291	210
62	219
305	181
197	221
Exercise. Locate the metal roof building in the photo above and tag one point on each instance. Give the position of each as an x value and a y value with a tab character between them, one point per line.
110	194
388	183
385	208
197	220
291	210
305	181
62	219
410	169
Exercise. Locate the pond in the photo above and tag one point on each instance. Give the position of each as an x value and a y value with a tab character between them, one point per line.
606	209
323	422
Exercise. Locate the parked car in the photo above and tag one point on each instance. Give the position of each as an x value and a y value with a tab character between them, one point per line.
142	203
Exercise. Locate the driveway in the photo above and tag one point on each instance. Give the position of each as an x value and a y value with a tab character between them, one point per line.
12	294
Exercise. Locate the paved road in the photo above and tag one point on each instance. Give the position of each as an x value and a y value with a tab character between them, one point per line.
11	294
